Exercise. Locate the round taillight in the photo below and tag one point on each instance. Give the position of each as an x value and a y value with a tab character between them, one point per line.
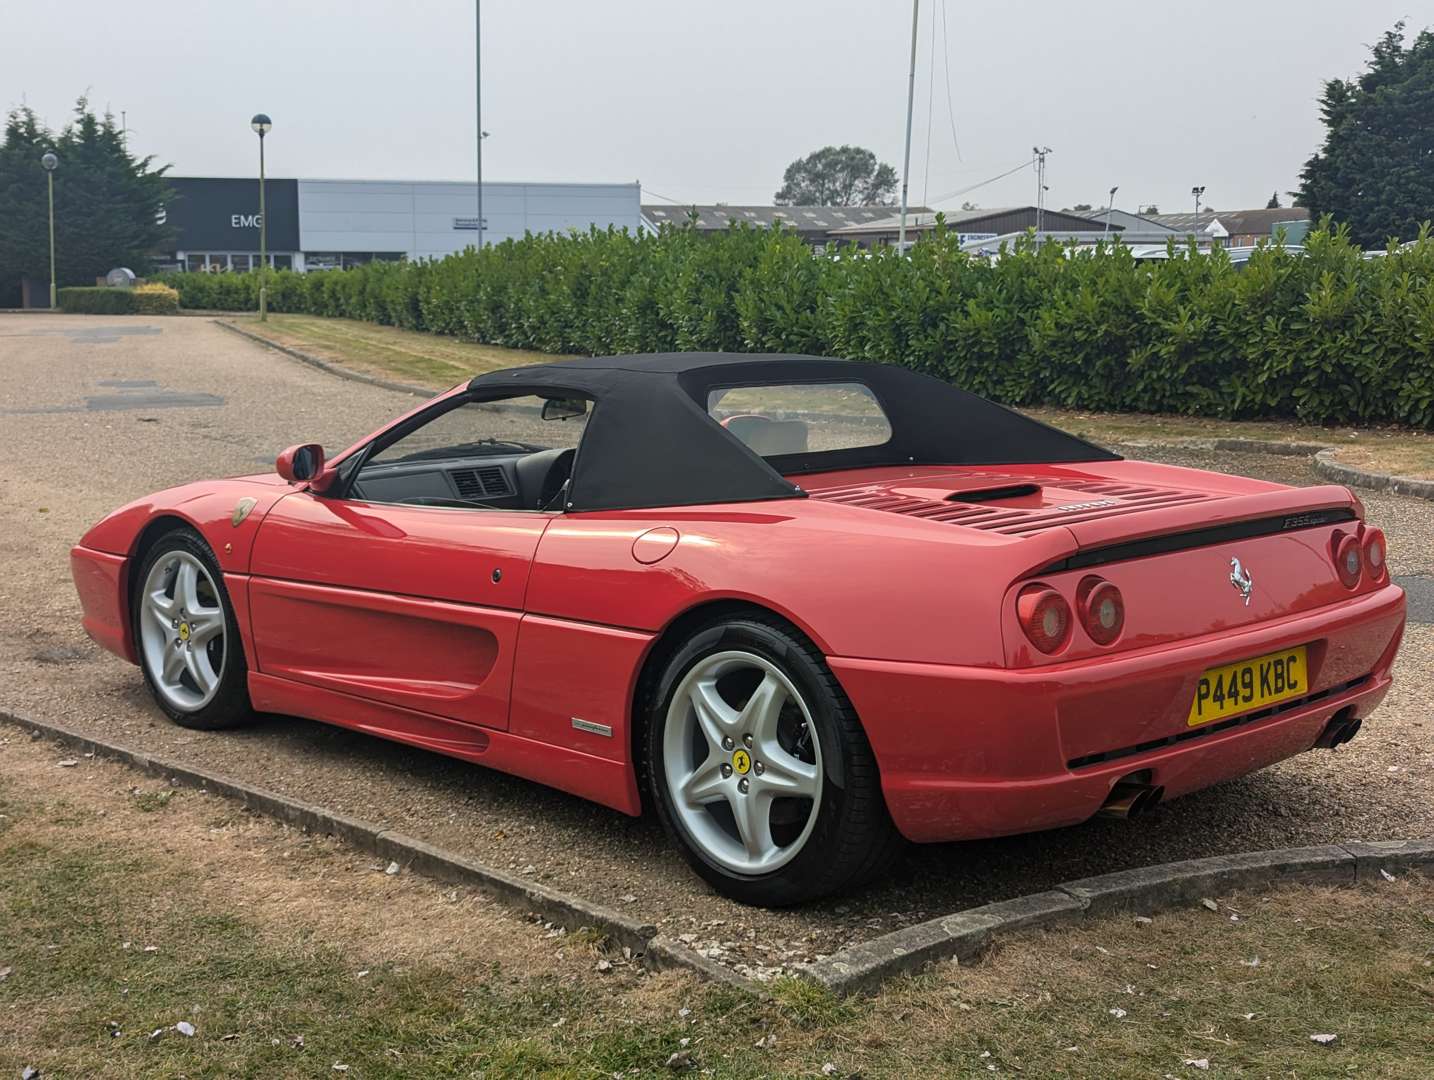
1374	553
1348	563
1102	609
1044	616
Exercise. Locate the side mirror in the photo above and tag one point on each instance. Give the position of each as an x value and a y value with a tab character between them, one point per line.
302	463
564	408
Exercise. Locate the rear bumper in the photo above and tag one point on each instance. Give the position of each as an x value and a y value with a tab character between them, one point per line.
102	579
970	752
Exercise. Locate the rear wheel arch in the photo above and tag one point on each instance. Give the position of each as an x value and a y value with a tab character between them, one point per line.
675	635
851	839
671	638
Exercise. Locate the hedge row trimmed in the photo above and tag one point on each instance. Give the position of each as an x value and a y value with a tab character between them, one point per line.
1327	336
95	300
151	298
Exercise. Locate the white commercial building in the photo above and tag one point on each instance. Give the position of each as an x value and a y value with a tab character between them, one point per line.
326	224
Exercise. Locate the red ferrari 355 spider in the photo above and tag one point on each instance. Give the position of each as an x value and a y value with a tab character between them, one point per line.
798	607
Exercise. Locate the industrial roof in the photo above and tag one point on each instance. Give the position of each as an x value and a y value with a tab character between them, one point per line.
964	220
1237	222
805	218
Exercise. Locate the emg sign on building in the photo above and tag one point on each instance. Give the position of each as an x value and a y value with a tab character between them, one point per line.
220	216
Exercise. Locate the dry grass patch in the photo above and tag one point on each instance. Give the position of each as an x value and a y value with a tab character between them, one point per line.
128	907
1410	459
1389	450
406	355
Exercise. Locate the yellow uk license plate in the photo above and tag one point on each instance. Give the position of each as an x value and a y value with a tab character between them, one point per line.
1249	685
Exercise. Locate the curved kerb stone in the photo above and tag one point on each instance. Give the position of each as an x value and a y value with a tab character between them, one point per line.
1144	890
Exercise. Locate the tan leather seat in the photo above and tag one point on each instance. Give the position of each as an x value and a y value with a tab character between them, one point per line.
768	437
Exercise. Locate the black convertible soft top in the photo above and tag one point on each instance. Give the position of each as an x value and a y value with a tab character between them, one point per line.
651	442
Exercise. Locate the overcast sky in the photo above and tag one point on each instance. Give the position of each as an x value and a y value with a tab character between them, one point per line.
709	101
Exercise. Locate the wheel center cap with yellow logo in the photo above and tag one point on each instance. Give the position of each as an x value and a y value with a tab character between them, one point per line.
741	762
184	631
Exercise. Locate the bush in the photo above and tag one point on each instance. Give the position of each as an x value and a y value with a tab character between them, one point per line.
152	298
96	300
1326	336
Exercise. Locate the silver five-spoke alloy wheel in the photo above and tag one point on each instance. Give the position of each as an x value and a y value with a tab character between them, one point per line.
182	631
742	762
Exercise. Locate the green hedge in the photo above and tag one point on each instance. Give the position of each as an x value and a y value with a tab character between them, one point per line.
148	299
96	300
1325	336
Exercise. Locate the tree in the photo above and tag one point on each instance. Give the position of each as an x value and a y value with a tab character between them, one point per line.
107	202
1274	203
837	176
24	237
1149	208
1079	208
969	205
1375	172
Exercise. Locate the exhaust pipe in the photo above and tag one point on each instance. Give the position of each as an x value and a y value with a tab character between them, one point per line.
1341	728
1128	800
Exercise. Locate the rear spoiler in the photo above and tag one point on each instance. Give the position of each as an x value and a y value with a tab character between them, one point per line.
1132	536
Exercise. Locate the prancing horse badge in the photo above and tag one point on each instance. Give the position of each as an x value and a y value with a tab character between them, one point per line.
1241	579
241	511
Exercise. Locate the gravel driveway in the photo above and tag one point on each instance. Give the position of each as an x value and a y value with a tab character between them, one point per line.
94	412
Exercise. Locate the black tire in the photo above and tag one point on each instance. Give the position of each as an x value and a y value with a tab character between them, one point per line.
229	706
852	839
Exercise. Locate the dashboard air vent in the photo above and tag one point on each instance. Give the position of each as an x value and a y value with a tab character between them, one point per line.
487	482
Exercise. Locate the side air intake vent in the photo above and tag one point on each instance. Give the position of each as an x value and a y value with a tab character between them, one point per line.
485	483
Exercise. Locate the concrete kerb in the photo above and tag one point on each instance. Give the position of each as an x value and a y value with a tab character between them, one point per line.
1326	466
1323	462
1145	891
324	365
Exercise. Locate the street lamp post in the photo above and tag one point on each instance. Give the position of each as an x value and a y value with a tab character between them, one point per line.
1197	192
49	161
478	107
261	125
1109	209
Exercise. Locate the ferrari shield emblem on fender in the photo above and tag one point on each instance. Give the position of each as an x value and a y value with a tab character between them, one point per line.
241	511
1241	579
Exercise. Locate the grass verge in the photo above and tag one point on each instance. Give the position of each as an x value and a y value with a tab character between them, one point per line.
439	362
1397	451
405	355
123	915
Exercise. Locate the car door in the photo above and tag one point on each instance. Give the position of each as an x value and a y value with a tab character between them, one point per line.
413	606
403	582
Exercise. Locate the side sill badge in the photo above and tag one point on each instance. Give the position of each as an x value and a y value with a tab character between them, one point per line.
591	728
